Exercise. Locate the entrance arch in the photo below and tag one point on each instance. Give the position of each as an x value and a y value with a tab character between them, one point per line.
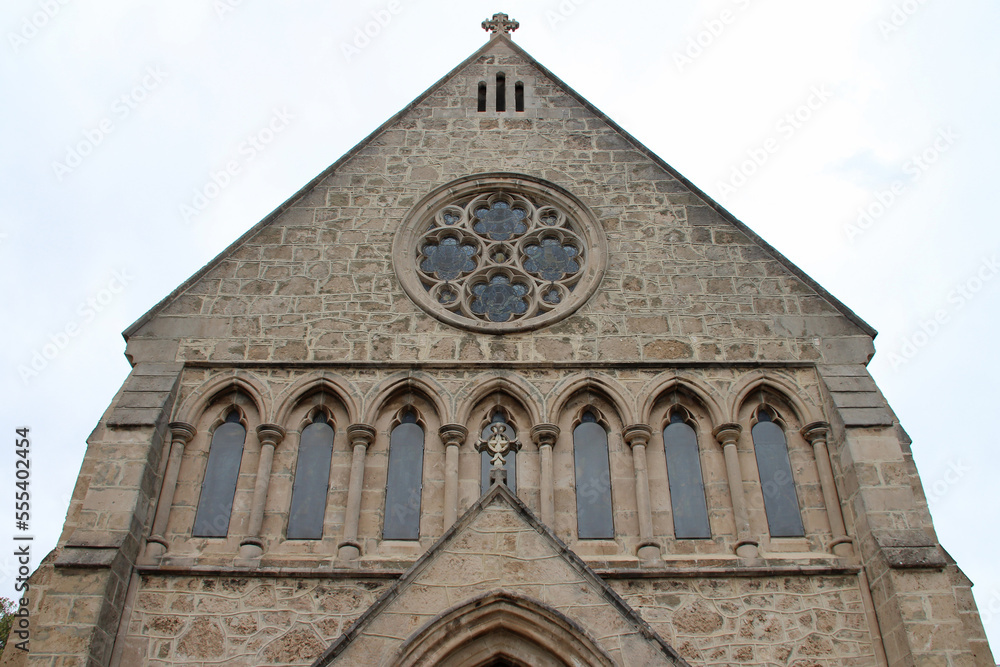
501	629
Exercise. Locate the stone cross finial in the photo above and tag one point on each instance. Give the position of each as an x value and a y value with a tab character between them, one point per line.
498	445
500	24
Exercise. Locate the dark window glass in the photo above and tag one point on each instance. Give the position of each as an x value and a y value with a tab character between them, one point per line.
448	259
510	464
776	481
405	480
518	96
499	299
594	518
551	260
219	486
312	481
500	222
501	92
481	102
687	488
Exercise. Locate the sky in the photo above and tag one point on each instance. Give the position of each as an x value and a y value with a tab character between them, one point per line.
856	137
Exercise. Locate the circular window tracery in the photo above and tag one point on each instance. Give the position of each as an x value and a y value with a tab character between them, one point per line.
500	253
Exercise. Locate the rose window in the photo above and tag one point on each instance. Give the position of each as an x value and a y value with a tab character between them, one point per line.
499	257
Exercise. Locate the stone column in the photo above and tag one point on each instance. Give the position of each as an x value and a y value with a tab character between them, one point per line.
544	436
637	437
816	434
269	435
727	435
452	435
180	434
361	437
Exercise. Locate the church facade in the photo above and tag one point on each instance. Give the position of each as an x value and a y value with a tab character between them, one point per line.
500	387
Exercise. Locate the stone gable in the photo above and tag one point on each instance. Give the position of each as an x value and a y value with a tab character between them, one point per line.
685	281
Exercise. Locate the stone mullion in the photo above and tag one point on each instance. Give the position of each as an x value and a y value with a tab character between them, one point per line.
544	436
269	436
361	437
453	435
817	434
181	433
637	437
727	435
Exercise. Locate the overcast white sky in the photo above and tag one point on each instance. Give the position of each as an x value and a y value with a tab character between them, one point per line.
893	110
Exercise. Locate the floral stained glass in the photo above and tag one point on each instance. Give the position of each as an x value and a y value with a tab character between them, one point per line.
500	222
551	259
499	299
449	259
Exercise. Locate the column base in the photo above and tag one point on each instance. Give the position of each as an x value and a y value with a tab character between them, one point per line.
348	551
156	547
747	549
251	549
649	553
843	547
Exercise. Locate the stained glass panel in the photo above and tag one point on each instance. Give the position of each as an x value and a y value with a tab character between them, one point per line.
499	299
448	259
500	222
687	488
551	259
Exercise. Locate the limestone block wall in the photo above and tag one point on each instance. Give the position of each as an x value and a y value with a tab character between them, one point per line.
762	620
240	620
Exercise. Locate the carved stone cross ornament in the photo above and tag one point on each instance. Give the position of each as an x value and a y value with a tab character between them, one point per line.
500	24
499	444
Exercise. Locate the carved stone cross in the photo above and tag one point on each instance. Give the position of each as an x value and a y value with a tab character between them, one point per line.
500	24
498	445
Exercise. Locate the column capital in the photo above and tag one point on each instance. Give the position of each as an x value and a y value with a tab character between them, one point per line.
181	431
544	434
637	434
453	434
727	434
270	434
361	434
815	431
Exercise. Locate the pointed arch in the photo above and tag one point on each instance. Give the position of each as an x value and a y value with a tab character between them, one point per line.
527	395
699	392
501	625
610	390
210	390
397	383
757	380
311	384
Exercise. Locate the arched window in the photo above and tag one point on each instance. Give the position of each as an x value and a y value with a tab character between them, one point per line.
501	91
518	96
687	487
405	480
510	460
219	486
312	480
594	517
776	482
481	98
